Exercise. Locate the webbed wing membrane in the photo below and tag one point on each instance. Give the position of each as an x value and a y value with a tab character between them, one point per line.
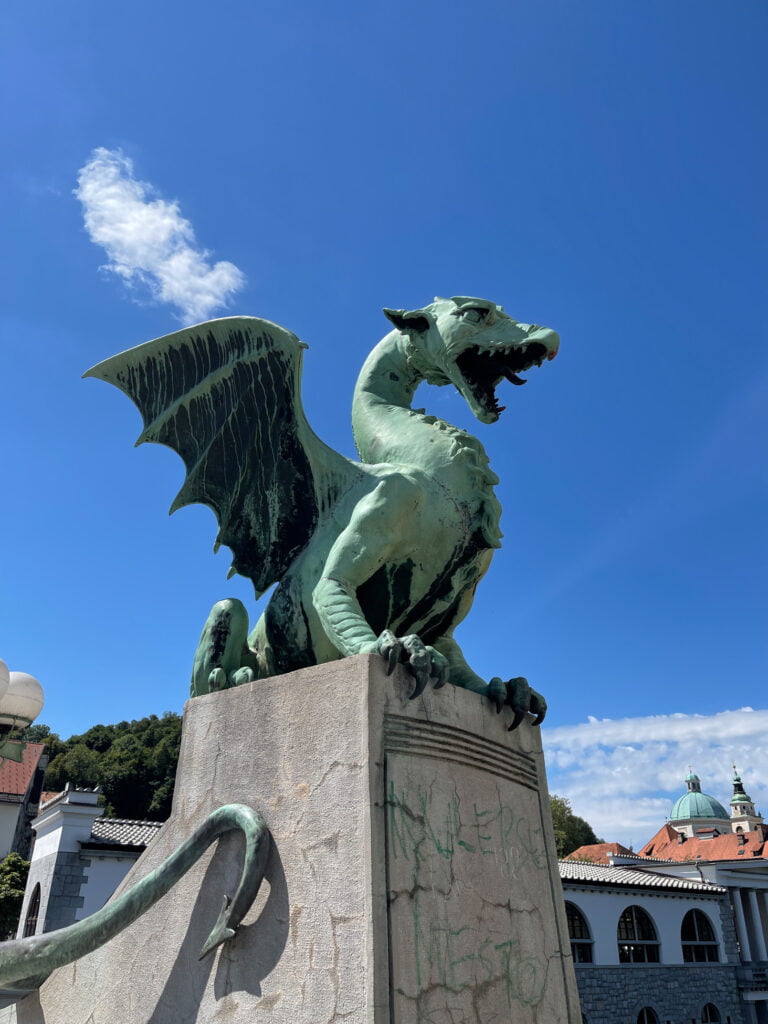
226	396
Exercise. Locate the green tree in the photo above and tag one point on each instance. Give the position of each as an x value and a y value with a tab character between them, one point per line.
54	745
76	764
13	878
100	738
124	777
571	832
133	762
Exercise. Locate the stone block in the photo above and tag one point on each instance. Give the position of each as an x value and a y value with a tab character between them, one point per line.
413	876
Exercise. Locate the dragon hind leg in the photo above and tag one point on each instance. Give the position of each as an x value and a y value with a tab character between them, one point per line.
222	658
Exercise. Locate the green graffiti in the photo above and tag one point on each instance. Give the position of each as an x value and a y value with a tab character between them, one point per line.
444	845
404	843
491	832
452	958
524	975
427	828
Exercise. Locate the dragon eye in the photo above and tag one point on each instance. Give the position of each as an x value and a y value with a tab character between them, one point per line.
475	314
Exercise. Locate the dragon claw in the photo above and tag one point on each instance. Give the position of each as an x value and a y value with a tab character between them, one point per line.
519	716
540	714
424	662
422	678
497	693
242	675
525	700
519	695
442	676
217	680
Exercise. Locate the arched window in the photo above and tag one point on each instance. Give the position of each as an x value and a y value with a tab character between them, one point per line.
647	1016
699	939
30	921
638	943
578	932
710	1014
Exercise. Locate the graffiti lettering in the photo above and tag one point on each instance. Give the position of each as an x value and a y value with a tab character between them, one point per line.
492	832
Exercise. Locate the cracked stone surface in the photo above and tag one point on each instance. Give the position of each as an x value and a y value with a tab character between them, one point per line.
413	878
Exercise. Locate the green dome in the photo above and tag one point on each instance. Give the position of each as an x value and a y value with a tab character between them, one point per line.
697	805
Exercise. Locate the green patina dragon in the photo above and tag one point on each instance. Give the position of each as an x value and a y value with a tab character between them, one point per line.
381	556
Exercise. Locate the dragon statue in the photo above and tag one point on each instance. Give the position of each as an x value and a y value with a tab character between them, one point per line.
378	556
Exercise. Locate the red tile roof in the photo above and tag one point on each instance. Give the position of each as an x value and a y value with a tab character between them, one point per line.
16	776
597	853
729	846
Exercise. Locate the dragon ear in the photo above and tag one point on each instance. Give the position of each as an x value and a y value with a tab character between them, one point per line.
410	321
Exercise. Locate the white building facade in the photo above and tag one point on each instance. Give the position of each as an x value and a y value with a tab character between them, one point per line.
78	860
678	933
651	949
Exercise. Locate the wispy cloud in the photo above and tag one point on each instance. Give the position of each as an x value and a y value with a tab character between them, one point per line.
624	775
150	245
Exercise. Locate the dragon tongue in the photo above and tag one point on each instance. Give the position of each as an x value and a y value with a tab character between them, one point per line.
512	376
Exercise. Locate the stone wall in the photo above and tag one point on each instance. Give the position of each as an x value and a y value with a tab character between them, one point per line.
676	993
60	876
412	876
728	927
65	899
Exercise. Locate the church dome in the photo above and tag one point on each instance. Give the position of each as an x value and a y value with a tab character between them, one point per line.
697	805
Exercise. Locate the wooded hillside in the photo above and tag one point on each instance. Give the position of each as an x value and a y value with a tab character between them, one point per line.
133	762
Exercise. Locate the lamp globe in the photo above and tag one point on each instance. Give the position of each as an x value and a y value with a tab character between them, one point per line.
23	700
5	678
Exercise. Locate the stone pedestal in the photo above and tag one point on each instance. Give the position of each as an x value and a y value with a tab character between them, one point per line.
413	877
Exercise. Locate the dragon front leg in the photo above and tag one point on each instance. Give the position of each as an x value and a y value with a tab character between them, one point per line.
343	621
373	538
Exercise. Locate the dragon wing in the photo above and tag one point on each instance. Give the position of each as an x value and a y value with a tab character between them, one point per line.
226	396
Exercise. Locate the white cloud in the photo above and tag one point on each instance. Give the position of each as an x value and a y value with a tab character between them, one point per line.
148	242
624	775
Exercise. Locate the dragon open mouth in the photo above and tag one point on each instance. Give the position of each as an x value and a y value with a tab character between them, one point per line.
484	369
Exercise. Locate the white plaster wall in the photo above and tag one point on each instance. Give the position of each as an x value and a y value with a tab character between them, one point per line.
73	833
762	902
45	845
40	872
9	815
101	879
602	910
64	827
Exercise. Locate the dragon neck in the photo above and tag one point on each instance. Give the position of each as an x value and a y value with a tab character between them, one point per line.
388	430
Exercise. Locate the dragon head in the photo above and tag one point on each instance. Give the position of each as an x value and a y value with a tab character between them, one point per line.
472	344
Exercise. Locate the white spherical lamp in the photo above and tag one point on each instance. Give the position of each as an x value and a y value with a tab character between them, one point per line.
5	678
23	701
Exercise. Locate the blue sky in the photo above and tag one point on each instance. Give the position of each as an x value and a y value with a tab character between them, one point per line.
596	167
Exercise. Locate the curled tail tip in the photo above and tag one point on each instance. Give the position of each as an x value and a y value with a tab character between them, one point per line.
221	931
217	936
